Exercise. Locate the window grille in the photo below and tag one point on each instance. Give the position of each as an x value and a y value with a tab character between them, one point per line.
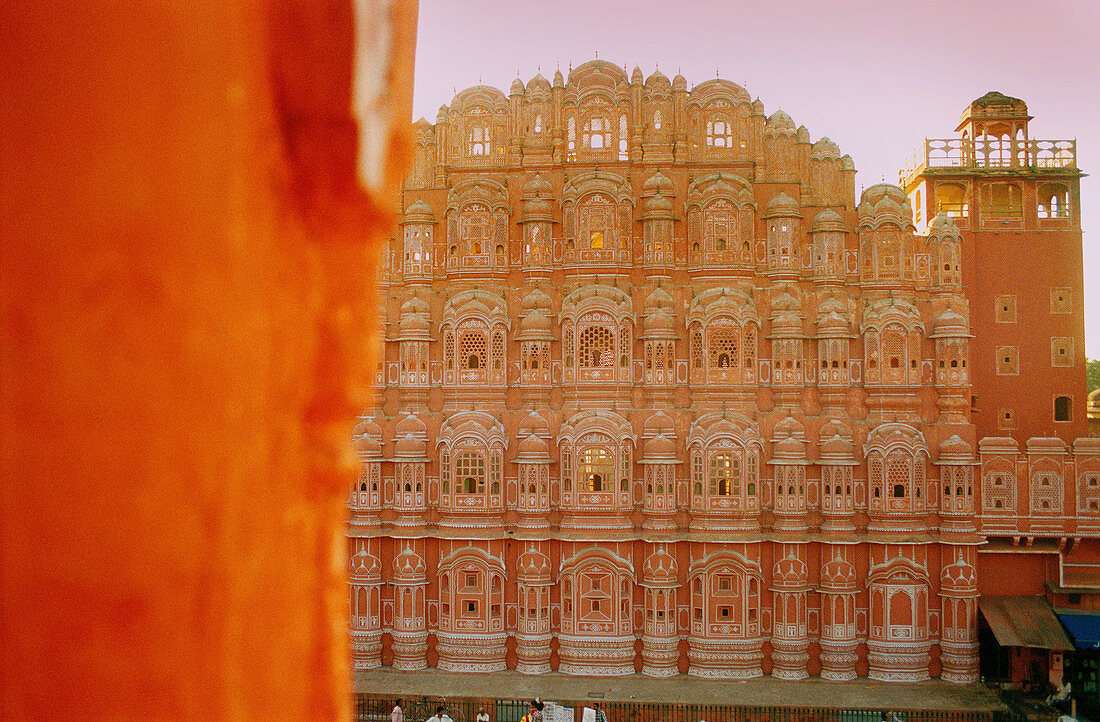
473	350
470	473
596	347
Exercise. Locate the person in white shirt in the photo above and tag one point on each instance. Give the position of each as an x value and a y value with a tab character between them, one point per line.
482	715
440	716
398	714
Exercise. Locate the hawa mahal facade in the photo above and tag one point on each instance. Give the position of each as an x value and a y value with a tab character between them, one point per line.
659	394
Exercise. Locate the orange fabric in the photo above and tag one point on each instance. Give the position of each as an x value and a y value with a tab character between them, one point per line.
183	315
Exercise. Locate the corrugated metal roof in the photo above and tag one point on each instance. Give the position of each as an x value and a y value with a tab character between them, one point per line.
1024	622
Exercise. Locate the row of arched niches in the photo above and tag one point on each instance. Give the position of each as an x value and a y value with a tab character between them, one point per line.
717	471
601	116
828	346
707	224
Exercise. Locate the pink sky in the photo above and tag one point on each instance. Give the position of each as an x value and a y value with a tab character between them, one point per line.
876	76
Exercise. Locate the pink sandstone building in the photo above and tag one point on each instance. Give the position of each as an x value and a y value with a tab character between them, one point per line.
659	394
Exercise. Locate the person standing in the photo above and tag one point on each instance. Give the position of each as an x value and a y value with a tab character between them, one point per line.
440	716
398	714
601	716
482	715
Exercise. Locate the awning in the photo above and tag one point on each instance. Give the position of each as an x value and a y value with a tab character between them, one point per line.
1024	622
1084	628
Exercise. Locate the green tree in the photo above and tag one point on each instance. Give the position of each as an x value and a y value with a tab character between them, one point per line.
1092	374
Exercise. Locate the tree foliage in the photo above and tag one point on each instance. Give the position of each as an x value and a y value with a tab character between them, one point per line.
1092	374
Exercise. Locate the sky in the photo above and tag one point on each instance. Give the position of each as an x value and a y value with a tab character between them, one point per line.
877	77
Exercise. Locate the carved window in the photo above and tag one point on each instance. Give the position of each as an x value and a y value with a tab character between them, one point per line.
1088	492
596	347
1005	309
719	132
999	492
1061	300
657	119
596	602
571	137
622	138
697	348
473	352
725	475
723	348
1053	200
596	133
720	228
1061	351
498	350
445	470
951	199
596	469
1008	361
470	473
474	226
596	223
479	140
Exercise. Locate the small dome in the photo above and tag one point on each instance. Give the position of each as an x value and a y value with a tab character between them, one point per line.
414	323
535	324
537	298
828	221
659	423
825	149
364	566
367	427
657	81
537	209
679	82
951	324
788	426
538	83
411	424
657	205
559	81
782	206
534	449
803	135
659	449
658	298
409	445
517	87
838	576
533	567
368	447
415	305
408	567
959	579
535	424
789	449
419	212
790	575
847	164
955	449
836	448
657	183
779	121
537	185
636	76
659	569
658	320
944	225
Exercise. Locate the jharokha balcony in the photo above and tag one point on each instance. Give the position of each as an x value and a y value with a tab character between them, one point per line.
991	154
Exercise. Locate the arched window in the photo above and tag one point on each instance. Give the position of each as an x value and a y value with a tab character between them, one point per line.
657	119
596	347
725	475
596	468
719	132
474	226
596	133
470	473
719	225
596	222
479	140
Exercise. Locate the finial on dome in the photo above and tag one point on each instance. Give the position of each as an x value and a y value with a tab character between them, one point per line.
597	55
